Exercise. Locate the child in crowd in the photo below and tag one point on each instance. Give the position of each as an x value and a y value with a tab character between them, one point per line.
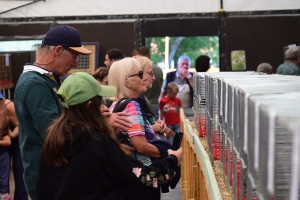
169	109
4	166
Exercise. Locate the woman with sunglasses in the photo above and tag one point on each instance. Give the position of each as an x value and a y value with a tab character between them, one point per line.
159	126
128	78
81	157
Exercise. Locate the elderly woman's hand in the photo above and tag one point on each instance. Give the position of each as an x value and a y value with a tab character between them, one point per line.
118	120
169	132
159	126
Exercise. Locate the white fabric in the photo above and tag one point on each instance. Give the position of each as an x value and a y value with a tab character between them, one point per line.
8	5
258	5
29	68
184	95
52	8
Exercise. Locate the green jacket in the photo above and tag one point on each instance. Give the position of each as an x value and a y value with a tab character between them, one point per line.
36	106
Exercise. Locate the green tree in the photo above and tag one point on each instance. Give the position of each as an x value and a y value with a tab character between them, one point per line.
190	46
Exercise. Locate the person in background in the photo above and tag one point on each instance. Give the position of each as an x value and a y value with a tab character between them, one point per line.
265	68
153	93
134	52
291	64
14	151
4	157
82	150
4	166
184	79
111	56
3	121
101	75
202	63
169	107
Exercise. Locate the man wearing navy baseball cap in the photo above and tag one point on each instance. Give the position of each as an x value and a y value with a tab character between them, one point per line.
35	98
36	103
66	36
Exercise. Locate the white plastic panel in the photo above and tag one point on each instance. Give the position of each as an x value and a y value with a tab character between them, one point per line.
51	8
8	5
260	5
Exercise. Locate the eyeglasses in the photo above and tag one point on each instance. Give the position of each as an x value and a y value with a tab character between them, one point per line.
140	74
75	55
150	73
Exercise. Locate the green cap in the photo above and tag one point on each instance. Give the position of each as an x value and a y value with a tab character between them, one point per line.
81	87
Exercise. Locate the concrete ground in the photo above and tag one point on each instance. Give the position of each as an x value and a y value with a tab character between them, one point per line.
174	194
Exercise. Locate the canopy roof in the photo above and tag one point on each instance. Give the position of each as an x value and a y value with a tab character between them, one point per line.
52	8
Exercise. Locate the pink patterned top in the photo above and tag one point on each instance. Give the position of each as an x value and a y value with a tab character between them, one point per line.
140	125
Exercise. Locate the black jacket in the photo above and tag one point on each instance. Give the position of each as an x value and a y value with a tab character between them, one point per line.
96	169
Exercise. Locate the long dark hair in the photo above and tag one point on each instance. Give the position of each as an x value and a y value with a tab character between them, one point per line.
86	116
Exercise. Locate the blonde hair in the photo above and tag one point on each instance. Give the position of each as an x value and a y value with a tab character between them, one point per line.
144	61
118	73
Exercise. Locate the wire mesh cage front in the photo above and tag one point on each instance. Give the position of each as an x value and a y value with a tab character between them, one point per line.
255	146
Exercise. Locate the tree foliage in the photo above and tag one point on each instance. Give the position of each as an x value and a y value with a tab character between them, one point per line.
190	46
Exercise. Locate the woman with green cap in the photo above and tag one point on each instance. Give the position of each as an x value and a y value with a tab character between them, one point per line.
81	157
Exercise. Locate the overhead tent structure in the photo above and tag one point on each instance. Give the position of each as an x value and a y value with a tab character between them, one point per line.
55	8
260	28
7	6
52	8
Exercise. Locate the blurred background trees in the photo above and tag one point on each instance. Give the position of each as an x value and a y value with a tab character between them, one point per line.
190	46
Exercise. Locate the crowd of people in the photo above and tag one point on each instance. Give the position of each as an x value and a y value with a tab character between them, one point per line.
291	65
69	143
106	135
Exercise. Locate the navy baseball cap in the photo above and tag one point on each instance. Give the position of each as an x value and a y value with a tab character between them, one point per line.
66	36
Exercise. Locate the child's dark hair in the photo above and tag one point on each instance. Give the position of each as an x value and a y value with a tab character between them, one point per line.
202	63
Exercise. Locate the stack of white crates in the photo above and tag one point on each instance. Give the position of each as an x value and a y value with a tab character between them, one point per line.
252	125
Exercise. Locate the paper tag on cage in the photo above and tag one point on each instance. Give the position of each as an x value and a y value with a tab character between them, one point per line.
292	46
7	63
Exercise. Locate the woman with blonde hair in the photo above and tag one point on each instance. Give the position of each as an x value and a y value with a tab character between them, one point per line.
81	157
128	78
159	126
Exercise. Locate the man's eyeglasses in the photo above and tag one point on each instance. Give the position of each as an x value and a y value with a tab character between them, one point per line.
140	74
75	55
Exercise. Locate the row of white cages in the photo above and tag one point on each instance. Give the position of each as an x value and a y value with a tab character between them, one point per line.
252	125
